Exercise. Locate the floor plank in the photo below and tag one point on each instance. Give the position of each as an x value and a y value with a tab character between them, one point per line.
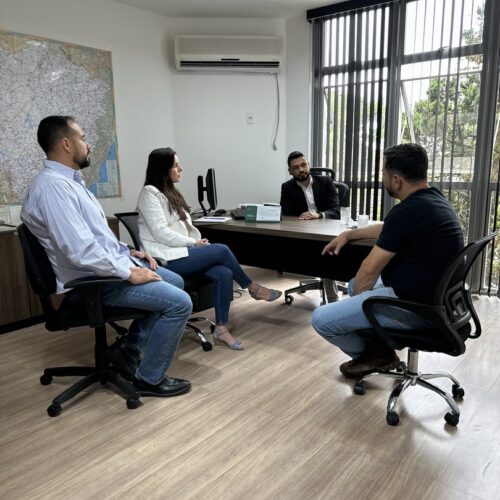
276	420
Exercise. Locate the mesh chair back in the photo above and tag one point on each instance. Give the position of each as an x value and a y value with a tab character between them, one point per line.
130	221
38	267
343	192
40	274
448	318
342	188
452	291
458	270
322	170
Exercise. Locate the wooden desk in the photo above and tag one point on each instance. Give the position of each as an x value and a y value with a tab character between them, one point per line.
292	246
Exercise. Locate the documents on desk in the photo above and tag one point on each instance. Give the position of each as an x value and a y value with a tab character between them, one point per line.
212	219
263	213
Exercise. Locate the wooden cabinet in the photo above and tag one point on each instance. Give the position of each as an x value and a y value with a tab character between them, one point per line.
14	292
19	305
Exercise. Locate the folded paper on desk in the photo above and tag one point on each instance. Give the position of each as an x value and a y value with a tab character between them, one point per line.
263	213
212	219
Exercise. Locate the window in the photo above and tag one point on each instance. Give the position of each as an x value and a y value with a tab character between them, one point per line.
439	91
351	101
412	71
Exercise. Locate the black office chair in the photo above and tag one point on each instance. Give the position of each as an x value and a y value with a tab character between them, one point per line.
449	319
316	283
199	288
80	307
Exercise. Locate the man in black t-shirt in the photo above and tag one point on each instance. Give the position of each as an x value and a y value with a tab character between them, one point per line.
418	239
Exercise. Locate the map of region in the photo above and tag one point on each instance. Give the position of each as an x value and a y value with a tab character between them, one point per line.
41	77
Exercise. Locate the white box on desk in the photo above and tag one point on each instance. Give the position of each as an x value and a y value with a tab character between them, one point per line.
262	213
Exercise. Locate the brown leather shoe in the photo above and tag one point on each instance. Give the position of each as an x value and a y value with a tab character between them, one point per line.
377	357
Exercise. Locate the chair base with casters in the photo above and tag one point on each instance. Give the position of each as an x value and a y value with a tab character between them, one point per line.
200	336
313	284
81	306
200	290
100	373
409	375
445	323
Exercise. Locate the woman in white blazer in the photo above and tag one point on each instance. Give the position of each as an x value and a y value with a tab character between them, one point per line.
166	231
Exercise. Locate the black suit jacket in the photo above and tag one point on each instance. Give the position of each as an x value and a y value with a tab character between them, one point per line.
293	200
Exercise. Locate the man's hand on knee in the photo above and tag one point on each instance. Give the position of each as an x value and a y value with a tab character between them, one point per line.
141	275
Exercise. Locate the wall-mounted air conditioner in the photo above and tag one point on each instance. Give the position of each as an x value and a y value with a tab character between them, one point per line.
263	54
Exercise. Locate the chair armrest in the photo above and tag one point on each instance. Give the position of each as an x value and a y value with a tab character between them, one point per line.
89	288
91	281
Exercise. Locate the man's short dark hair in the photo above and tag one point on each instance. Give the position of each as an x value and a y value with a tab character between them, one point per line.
293	156
52	129
408	160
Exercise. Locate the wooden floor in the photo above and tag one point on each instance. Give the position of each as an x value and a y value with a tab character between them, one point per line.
274	421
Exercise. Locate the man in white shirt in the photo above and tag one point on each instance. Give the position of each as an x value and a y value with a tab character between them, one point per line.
70	224
310	197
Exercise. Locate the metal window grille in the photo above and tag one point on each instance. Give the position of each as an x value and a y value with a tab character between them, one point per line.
351	100
424	71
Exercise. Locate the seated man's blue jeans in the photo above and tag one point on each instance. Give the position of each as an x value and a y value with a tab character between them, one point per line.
218	263
340	321
156	336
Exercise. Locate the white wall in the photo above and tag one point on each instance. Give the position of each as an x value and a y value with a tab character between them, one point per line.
298	85
210	120
201	115
142	83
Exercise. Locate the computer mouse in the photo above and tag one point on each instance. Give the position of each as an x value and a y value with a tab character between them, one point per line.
221	211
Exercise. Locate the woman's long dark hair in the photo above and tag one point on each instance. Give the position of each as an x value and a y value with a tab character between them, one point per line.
160	162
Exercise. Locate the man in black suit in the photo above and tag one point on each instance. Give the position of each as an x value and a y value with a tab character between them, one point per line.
310	197
305	196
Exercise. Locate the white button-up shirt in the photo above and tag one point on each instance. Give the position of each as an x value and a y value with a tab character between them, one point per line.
308	192
70	224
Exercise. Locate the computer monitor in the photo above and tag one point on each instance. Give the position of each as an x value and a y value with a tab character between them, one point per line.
210	188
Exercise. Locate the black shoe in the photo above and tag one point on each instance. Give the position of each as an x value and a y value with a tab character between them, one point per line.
166	388
377	358
123	359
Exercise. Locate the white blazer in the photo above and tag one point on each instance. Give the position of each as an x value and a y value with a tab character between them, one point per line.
162	233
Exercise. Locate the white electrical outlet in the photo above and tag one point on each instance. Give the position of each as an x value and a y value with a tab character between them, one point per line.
250	117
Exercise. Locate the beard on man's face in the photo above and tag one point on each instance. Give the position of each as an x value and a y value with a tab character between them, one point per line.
389	192
83	162
303	176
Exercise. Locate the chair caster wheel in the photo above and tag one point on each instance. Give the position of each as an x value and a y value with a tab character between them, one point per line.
401	367
45	379
54	410
288	299
133	403
457	391
452	419
359	388
392	418
206	346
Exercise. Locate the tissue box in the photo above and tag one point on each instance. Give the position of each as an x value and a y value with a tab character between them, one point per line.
263	213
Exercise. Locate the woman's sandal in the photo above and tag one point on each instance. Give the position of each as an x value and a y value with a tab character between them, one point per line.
275	294
235	346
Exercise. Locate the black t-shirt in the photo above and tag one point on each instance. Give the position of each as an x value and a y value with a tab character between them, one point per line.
424	233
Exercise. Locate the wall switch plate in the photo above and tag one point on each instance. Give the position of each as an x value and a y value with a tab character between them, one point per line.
250	117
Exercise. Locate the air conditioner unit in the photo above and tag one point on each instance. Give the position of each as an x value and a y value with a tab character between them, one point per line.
263	54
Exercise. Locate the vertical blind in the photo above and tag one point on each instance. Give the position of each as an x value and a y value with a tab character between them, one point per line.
352	82
412	71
